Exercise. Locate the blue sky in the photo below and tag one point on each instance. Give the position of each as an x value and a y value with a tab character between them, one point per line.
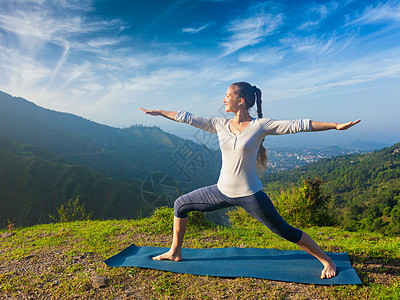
323	60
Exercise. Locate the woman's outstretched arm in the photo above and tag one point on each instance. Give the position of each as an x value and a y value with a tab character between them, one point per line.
320	126
167	114
185	117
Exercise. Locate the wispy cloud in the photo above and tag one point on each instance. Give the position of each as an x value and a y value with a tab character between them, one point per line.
319	78
250	31
42	19
37	30
195	29
382	12
312	43
269	56
45	55
316	14
26	71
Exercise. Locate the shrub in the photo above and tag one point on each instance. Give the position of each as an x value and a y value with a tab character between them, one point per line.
162	220
238	217
71	211
304	205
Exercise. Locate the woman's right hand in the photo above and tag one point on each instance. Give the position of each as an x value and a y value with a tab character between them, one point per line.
167	114
151	112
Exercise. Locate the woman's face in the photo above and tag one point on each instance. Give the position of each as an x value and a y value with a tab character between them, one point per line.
232	101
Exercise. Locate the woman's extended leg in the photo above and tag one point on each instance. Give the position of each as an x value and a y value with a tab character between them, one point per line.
174	253
307	244
261	207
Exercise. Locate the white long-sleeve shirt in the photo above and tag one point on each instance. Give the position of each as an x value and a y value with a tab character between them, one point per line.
238	175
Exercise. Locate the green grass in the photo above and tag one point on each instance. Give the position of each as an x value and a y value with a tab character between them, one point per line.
40	261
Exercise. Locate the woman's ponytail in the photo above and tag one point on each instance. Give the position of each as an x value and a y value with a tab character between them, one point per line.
257	92
262	159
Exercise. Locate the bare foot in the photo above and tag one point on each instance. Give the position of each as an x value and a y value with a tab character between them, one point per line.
170	255
329	270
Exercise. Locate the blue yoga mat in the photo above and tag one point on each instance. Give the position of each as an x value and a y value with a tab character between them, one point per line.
272	264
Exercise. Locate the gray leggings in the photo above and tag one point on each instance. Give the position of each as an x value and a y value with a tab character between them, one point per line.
258	205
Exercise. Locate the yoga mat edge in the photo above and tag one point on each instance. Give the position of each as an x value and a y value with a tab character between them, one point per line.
272	264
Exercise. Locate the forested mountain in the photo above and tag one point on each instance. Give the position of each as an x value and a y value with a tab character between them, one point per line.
48	157
126	155
34	183
364	188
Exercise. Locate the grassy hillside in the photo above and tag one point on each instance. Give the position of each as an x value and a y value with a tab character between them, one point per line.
57	261
364	188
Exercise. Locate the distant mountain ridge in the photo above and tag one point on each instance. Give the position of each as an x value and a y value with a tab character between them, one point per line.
123	154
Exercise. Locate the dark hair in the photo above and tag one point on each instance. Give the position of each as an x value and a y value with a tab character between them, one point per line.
252	94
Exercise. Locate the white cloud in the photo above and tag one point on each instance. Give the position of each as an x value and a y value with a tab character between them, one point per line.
303	80
316	14
269	56
162	77
310	43
57	23
52	54
250	31
44	23
196	29
382	12
26	71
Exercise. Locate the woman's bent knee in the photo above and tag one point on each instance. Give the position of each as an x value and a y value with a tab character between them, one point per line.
179	210
293	235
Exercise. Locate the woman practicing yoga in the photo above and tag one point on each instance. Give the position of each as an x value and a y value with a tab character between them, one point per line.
240	140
